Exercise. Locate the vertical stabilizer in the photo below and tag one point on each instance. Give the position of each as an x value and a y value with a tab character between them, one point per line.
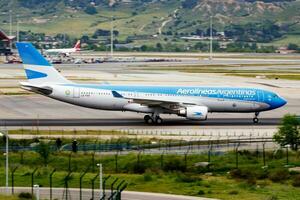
38	70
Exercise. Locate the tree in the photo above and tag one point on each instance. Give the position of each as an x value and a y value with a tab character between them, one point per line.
44	150
292	46
288	132
91	10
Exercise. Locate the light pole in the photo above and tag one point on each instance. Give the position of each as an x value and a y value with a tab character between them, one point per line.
37	191
211	40
10	27
18	39
112	38
100	179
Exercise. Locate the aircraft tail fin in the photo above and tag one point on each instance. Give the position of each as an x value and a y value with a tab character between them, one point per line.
77	46
38	70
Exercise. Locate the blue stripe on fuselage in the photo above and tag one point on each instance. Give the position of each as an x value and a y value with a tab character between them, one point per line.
244	94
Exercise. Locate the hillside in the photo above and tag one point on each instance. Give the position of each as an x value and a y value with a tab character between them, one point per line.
150	17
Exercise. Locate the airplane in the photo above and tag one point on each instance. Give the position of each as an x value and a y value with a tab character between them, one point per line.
67	51
193	103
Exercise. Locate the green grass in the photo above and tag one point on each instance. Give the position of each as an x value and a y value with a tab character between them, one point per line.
193	181
269	76
4	197
287	39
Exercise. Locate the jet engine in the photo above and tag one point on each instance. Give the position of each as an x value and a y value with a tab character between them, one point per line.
194	113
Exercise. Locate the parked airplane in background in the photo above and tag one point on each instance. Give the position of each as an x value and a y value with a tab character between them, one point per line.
193	103
67	51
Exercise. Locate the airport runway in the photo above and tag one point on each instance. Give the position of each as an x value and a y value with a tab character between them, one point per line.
215	122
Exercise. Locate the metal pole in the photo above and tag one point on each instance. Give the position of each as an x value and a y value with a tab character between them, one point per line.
37	187
10	28
112	38
112	186
100	179
264	155
287	155
80	183
32	180
18	39
6	164
104	181
51	183
211	39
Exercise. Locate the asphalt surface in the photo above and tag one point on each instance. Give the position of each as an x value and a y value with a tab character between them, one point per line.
73	193
136	122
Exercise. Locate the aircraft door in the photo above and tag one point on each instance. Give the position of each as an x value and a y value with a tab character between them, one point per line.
257	99
76	92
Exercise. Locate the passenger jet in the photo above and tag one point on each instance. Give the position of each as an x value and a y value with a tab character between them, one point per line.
193	103
67	51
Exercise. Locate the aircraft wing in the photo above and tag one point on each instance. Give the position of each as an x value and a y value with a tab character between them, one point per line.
158	101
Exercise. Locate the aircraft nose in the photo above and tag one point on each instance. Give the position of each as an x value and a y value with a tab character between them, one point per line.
282	102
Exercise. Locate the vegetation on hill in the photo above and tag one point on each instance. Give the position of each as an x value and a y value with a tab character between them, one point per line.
149	22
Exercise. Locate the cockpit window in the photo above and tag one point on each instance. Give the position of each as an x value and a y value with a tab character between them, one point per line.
275	96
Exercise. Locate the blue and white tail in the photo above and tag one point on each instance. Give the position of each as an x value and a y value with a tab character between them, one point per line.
38	70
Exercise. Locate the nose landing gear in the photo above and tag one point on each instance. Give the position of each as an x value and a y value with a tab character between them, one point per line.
154	119
255	119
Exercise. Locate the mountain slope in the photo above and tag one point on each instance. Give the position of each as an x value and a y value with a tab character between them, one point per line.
148	17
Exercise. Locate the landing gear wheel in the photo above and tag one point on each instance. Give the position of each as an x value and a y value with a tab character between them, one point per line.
148	119
255	120
158	120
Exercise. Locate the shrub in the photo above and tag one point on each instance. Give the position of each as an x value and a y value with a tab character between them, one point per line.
139	168
251	181
186	178
241	173
296	181
174	164
148	177
25	195
273	197
201	192
233	192
279	175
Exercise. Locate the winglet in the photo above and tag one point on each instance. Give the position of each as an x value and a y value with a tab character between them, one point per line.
116	94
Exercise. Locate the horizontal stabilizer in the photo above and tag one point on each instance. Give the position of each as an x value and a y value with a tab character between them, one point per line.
46	90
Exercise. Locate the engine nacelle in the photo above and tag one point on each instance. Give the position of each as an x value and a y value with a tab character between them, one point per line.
194	112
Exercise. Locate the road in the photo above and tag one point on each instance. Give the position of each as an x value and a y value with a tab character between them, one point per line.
231	122
87	194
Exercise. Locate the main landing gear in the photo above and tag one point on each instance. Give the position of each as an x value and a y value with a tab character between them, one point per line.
255	119
153	119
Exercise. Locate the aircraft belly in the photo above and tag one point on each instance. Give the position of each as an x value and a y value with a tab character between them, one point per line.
220	105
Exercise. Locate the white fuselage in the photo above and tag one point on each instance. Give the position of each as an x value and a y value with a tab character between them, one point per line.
66	51
103	99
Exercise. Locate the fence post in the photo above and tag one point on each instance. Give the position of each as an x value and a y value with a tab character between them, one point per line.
69	165
93	162
112	186
13	180
66	182
93	185
80	183
116	161
32	180
103	189
162	160
120	191
264	154
237	156
50	179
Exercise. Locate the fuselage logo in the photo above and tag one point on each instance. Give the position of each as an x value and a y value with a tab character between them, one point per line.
67	92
